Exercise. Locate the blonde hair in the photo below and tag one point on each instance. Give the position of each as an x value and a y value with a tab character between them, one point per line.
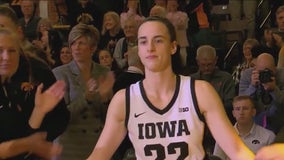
205	51
44	21
83	30
243	97
14	36
251	41
116	19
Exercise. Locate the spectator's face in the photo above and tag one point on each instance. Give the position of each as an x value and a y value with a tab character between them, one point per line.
65	55
130	29
81	50
27	8
9	57
243	111
280	20
105	58
206	65
247	51
109	22
44	27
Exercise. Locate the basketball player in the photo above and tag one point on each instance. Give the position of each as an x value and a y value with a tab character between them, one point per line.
163	113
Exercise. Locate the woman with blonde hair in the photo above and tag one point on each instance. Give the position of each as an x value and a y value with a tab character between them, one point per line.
32	111
89	86
111	31
248	59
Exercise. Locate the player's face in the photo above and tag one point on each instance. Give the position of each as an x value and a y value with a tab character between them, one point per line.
154	46
243	111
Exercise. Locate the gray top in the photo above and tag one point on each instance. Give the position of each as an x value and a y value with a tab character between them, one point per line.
85	125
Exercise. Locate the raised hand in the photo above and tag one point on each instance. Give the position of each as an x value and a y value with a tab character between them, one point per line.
42	148
47	100
103	87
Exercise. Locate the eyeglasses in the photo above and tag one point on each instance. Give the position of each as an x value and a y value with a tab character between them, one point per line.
209	65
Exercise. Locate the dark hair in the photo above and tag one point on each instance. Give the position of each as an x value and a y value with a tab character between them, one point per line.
176	59
168	24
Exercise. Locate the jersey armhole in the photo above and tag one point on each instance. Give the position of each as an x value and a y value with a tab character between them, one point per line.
127	105
194	100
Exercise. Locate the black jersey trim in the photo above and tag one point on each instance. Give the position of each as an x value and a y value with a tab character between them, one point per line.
127	105
194	99
169	106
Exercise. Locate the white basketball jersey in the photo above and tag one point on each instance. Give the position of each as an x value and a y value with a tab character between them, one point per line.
174	133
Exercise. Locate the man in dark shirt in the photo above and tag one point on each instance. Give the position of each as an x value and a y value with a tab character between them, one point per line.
29	21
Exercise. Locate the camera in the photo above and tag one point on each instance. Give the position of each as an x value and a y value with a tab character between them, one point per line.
262	95
265	75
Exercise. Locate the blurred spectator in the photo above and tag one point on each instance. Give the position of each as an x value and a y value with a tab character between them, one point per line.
247	60
132	12
244	10
222	82
106	59
180	21
89	85
279	41
199	25
30	21
84	10
134	72
111	31
32	111
65	54
8	19
268	33
265	83
158	11
162	3
130	40
253	135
